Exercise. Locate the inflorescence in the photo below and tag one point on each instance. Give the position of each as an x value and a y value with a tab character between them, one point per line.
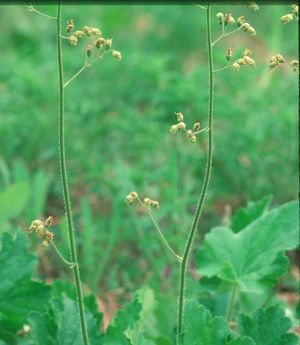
94	35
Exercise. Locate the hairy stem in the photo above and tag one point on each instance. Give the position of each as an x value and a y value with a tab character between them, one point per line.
64	180
231	305
197	215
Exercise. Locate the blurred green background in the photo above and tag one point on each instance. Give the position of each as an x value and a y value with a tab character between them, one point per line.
118	116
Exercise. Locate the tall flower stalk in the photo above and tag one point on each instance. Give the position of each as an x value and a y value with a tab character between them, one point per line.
64	179
190	240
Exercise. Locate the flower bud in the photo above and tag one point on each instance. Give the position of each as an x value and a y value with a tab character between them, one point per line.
78	33
247	52
253	6
89	50
70	25
295	10
235	66
196	126
174	129
251	31
249	61
246	26
147	201
49	221
154	203
221	17
99	42
134	195
295	65
241	20
181	125
229	19
117	55
193	138
279	58
96	32
241	61
45	244
73	40
108	43
129	199
180	117
286	19
49	236
229	53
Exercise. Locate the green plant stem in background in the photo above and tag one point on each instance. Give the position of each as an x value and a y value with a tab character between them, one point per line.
232	302
63	170
197	215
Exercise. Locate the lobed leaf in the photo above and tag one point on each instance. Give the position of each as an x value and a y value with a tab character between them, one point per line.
203	329
268	327
251	258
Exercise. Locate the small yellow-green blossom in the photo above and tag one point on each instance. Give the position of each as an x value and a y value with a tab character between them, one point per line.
295	65
221	17
286	19
253	6
117	55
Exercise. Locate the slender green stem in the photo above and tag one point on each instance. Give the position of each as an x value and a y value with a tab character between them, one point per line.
71	264
222	68
164	240
75	75
224	34
231	305
197	215
32	9
65	186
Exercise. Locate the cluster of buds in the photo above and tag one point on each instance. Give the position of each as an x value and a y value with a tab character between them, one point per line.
225	19
295	65
87	31
132	197
253	6
190	133
41	230
151	203
291	16
244	60
275	61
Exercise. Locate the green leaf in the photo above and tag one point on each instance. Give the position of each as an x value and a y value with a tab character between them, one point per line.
134	322
268	327
17	195
62	324
245	216
203	329
146	323
43	328
19	295
252	258
124	321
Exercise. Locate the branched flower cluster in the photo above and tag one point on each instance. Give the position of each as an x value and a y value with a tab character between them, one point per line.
41	230
291	16
97	42
241	22
245	60
132	197
190	133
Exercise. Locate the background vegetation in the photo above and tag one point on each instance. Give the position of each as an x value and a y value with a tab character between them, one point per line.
118	116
